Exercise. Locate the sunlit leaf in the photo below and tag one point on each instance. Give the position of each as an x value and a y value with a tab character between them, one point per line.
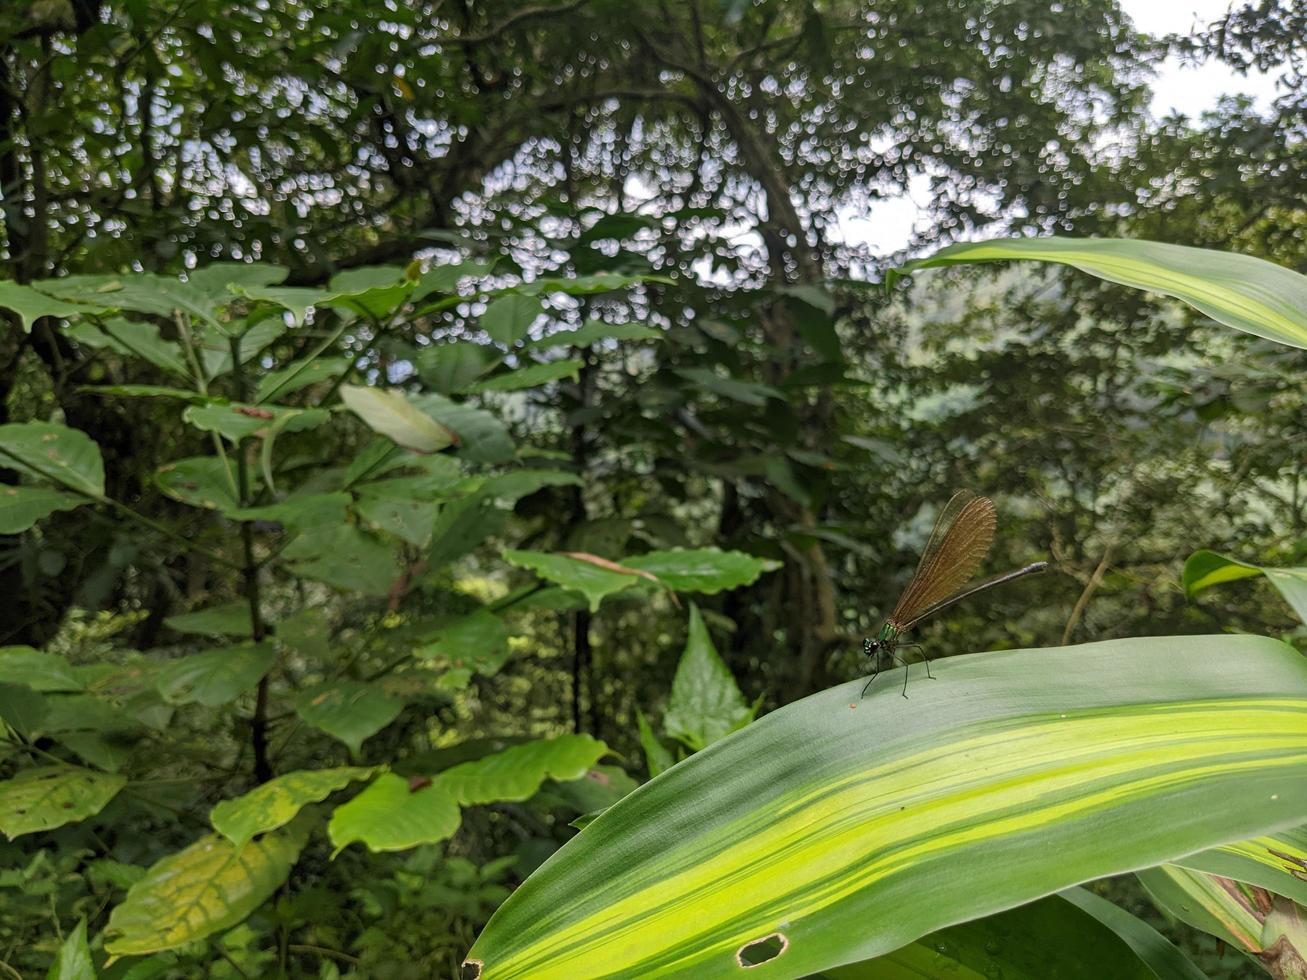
206	888
1240	291
388	412
837	810
706	570
53	452
278	801
45	797
591	580
216	676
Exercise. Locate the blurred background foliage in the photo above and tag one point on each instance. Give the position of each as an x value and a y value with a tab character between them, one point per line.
769	397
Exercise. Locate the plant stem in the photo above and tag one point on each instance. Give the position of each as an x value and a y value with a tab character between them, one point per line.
258	629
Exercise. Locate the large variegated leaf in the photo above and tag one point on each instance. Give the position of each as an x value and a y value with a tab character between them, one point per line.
1276	862
1247	293
851	826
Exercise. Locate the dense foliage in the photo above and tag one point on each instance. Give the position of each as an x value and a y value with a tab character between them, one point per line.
422	424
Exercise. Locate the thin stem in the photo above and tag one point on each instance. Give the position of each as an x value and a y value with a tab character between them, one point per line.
304	364
258	629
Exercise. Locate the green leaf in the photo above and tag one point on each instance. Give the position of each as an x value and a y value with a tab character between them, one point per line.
352	711
745	392
1276	862
278	801
656	756
374	291
54	452
1199	900
346	558
706	704
50	796
529	376
295	300
236	422
1240	291
22	507
594	581
228	619
144	391
518	772
522	483
73	960
24	710
394	814
508	318
391	414
200	481
594	331
453	365
36	669
132	339
216	676
477	641
445	278
1053	937
307	633
462	525
482	438
206	888
408	519
1013	775
1206	568
299	375
312	511
31	304
706	570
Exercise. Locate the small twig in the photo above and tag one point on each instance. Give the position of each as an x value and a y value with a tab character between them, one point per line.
1090	587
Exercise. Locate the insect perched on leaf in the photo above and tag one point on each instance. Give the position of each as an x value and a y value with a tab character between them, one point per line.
958	544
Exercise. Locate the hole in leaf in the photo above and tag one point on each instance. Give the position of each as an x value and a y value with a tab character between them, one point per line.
762	950
471	970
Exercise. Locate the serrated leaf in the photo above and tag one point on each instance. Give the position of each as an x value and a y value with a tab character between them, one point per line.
278	801
577	575
352	711
37	669
391	414
206	888
50	796
228	619
1206	568
706	704
216	676
529	376
200	481
54	452
346	558
394	814
477	641
236	422
22	507
705	570
482	438
508	318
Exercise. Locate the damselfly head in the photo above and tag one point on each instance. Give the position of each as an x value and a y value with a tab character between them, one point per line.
870	646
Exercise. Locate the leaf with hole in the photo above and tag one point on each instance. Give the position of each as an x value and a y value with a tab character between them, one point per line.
45	797
837	810
209	887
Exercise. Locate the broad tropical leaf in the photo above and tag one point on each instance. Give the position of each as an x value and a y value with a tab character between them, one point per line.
278	801
229	619
352	711
1013	775
508	318
1247	293
206	888
1206	568
37	669
55	453
215	676
22	507
391	414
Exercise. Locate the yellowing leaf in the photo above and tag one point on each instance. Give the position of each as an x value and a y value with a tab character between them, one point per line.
390	413
51	796
276	802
